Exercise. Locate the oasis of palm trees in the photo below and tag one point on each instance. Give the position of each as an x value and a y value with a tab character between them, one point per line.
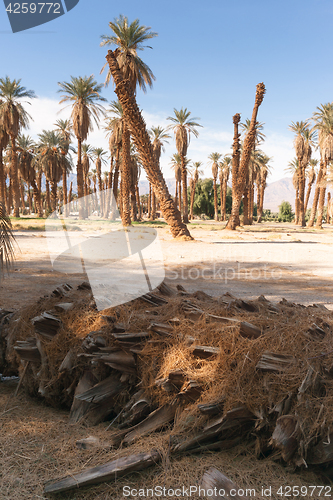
34	173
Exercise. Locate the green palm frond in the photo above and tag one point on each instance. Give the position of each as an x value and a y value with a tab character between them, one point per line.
129	38
6	241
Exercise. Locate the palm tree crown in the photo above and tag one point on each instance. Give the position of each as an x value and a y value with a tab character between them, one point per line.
183	127
84	94
129	38
12	113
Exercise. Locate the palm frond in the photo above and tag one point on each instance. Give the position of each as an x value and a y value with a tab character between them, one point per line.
6	241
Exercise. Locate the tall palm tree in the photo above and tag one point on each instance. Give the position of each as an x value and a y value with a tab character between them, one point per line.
176	165
129	38
144	147
159	137
84	94
240	165
99	156
214	158
323	119
303	154
87	157
264	170
4	140
194	182
114	129
50	157
65	128
293	167
14	117
253	168
183	126
225	166
25	148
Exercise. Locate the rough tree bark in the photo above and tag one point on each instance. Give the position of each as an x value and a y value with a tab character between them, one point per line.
242	170
143	144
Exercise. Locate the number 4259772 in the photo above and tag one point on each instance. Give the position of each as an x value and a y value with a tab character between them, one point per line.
34	8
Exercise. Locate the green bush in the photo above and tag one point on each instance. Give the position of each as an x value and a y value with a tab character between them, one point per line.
285	212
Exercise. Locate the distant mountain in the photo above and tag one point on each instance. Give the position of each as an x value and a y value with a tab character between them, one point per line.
282	190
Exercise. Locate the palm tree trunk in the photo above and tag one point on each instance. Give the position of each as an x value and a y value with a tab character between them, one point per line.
2	181
242	170
225	188
53	196
321	201
301	184
79	175
236	196
70	196
64	192
328	205
21	184
316	195
216	210
307	196
137	193
149	201
184	186
144	147
125	177
116	176
48	200
14	177
192	200
259	208
10	195
153	205
176	195
37	198
30	201
246	207
251	205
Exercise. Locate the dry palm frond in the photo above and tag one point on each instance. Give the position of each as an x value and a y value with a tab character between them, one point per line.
6	241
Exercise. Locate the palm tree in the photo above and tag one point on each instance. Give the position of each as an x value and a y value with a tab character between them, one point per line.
183	128
159	137
50	157
114	129
87	156
176	165
13	118
25	148
84	94
303	151
214	159
323	119
293	167
99	156
240	165
65	128
129	38
4	139
144	147
253	169
224	177
194	182
264	170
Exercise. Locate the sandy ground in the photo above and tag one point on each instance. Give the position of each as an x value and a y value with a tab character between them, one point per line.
276	260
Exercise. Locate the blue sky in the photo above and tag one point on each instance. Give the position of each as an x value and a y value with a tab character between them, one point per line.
208	57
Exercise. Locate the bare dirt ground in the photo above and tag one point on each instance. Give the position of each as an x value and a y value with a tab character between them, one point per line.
37	443
276	260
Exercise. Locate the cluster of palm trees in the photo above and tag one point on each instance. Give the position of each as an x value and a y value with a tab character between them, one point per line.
131	147
310	134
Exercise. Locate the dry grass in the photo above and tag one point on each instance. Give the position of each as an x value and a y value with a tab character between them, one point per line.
38	444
